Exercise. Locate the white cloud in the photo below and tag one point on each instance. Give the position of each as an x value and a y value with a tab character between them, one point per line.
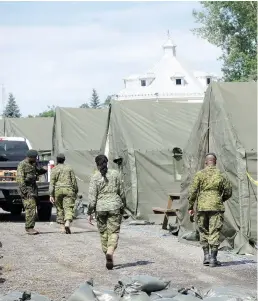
60	65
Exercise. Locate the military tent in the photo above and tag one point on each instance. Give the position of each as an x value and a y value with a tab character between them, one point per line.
81	135
149	136
37	130
2	127
227	125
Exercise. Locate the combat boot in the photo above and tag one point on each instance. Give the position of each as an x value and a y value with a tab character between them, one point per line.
213	259
62	229
67	227
109	258
206	260
32	231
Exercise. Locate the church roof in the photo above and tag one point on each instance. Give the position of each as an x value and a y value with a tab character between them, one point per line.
162	77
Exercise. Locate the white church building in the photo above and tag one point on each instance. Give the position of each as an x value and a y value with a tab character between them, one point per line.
167	80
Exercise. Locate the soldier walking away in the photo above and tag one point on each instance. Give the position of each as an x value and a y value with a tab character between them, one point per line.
63	189
106	198
210	188
27	174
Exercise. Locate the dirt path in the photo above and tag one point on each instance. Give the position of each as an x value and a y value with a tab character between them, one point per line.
54	264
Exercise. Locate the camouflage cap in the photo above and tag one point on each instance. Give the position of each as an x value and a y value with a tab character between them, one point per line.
32	153
61	156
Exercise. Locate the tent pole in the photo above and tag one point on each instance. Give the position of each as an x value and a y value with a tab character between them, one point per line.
209	117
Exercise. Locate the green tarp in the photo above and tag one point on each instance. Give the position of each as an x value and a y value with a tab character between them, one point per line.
146	134
227	125
37	130
81	135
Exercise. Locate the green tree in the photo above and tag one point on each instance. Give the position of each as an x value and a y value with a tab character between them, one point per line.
94	102
232	26
50	112
84	106
11	110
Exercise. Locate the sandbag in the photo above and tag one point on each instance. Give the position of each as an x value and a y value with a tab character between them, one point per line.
165	294
147	284
165	299
181	297
18	296
83	293
239	293
105	294
192	291
223	299
139	296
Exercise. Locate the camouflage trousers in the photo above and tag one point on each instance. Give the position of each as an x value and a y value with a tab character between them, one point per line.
210	224
30	207
109	223
64	202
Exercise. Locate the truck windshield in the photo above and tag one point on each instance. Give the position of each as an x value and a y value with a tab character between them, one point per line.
13	150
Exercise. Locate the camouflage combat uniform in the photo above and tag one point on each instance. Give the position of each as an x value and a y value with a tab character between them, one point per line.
106	197
211	189
27	174
63	187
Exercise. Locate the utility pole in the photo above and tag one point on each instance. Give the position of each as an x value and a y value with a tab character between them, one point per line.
3	99
3	104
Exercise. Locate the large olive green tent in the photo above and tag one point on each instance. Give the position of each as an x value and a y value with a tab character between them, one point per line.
227	125
37	130
81	135
148	136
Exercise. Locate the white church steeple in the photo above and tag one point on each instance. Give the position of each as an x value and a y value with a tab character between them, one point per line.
168	79
169	47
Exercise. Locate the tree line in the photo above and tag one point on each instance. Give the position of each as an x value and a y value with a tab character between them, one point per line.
12	109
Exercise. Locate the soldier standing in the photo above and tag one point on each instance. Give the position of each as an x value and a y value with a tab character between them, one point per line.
106	198
210	188
63	189
27	174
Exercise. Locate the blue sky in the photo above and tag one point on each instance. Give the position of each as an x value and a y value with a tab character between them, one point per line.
54	53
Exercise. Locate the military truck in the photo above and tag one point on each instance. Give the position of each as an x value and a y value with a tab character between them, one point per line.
12	151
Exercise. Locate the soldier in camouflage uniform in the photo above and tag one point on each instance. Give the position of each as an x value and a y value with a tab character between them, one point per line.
27	174
63	189
106	199
210	188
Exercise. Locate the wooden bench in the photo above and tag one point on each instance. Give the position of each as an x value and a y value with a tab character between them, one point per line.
167	211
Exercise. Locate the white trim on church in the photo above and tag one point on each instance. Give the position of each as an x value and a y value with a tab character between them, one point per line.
167	80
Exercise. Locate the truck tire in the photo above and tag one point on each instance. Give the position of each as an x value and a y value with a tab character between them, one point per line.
16	210
45	212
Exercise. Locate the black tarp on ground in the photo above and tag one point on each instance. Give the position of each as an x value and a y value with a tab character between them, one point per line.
81	135
145	134
227	125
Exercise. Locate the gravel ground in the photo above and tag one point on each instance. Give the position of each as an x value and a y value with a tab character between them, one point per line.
55	264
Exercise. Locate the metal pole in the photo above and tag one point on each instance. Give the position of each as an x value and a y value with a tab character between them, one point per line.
2	99
3	103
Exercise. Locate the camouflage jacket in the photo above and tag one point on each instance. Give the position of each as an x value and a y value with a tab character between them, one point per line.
27	174
62	176
106	194
210	188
